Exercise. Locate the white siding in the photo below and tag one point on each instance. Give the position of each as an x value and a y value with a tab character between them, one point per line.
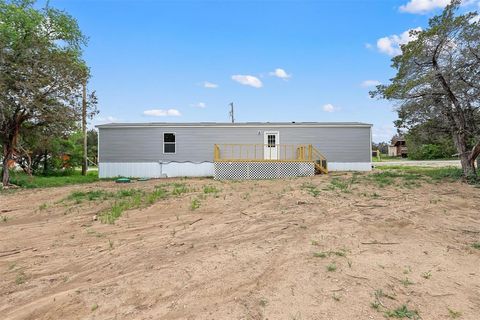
349	166
154	169
189	169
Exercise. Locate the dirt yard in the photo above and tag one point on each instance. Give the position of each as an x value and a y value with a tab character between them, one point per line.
325	247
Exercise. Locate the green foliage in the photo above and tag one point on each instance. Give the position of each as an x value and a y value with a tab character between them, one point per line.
331	267
320	254
74	177
402	312
311	188
195	204
435	87
454	314
179	189
36	116
411	176
210	189
429	141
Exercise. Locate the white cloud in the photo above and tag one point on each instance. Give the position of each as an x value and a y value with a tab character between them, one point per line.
370	83
368	45
329	108
383	133
201	105
425	6
162	113
248	80
391	44
209	85
280	73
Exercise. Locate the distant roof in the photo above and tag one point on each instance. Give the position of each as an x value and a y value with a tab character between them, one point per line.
237	124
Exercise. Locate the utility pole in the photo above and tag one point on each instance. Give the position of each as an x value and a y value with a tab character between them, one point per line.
84	128
231	112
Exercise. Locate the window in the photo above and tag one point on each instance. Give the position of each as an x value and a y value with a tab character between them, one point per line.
169	143
271	140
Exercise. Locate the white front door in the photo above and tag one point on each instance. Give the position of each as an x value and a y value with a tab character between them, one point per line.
271	144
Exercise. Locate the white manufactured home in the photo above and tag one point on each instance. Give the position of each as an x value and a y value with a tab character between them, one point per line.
250	150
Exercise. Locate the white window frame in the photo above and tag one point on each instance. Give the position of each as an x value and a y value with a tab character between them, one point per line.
175	143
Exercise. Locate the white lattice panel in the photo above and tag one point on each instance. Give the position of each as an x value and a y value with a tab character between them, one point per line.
262	170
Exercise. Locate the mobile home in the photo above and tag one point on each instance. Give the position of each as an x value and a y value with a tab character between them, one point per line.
233	150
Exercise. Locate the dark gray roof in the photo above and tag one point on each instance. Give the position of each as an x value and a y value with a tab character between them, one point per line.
228	124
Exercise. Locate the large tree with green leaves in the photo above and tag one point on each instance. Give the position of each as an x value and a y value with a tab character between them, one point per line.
438	79
41	72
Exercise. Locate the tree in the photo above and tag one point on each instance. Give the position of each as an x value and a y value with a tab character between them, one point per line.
429	140
381	146
92	145
438	79
41	71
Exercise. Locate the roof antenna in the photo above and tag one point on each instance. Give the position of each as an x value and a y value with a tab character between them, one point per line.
231	112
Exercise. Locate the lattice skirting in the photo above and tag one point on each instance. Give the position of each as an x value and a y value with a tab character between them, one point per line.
262	170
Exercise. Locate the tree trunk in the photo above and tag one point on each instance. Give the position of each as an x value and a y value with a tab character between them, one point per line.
468	167
84	129
474	154
7	155
45	162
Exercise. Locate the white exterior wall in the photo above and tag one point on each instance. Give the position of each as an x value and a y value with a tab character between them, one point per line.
154	169
190	169
392	151
349	166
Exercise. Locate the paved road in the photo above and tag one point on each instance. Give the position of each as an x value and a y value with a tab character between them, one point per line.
420	163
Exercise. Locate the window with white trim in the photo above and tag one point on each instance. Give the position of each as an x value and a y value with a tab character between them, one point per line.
169	143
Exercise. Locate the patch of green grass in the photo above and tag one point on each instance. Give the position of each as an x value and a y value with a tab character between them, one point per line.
332	267
407	270
80	196
155	195
339	253
406	282
20	278
417	173
179	189
336	297
427	275
402	312
43	206
4	219
320	254
210	189
195	204
454	314
94	307
476	245
310	188
25	181
263	302
383	179
115	211
340	184
131	199
324	254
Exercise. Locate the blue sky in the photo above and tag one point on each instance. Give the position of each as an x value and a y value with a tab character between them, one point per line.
185	61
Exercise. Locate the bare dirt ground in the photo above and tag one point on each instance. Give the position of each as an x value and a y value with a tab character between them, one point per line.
256	250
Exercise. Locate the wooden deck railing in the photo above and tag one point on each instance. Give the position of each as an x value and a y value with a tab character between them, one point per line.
269	153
